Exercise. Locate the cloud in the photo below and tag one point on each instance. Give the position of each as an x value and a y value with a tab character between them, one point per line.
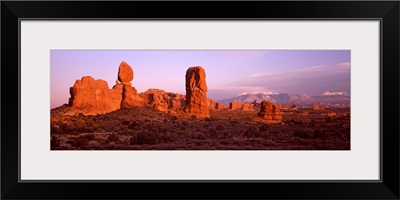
313	80
327	93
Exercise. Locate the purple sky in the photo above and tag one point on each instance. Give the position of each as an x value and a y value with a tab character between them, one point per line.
229	73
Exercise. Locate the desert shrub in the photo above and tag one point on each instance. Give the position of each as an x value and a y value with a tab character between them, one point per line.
165	120
55	142
133	140
81	141
134	125
199	136
146	137
185	123
302	134
263	128
213	133
89	136
207	119
251	132
219	127
319	134
113	138
125	122
55	129
65	128
174	118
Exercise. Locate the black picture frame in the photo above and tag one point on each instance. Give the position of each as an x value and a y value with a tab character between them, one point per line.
386	11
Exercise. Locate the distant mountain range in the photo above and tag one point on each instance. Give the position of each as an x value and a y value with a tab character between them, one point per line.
332	99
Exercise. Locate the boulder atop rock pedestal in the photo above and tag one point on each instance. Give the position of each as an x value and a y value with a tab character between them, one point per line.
125	73
269	111
196	92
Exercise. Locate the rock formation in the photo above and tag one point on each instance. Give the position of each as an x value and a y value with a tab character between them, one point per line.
125	73
91	97
240	106
235	105
316	107
220	106
247	106
130	97
196	92
210	104
269	111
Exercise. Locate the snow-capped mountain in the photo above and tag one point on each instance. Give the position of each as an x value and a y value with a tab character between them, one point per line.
333	99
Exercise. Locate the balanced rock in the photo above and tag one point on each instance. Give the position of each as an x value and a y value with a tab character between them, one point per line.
130	97
196	92
125	72
269	111
91	97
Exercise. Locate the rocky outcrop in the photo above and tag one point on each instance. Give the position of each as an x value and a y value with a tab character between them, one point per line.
91	97
163	101
240	106
130	97
210	104
196	92
247	106
316	107
269	111
220	106
157	99
235	105
177	101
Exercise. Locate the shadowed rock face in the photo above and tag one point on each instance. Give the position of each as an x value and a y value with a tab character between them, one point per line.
269	111
196	92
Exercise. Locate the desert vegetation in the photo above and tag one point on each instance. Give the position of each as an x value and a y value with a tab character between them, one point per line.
149	129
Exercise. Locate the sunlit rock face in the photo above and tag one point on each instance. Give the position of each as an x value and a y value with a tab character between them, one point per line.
196	92
269	111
